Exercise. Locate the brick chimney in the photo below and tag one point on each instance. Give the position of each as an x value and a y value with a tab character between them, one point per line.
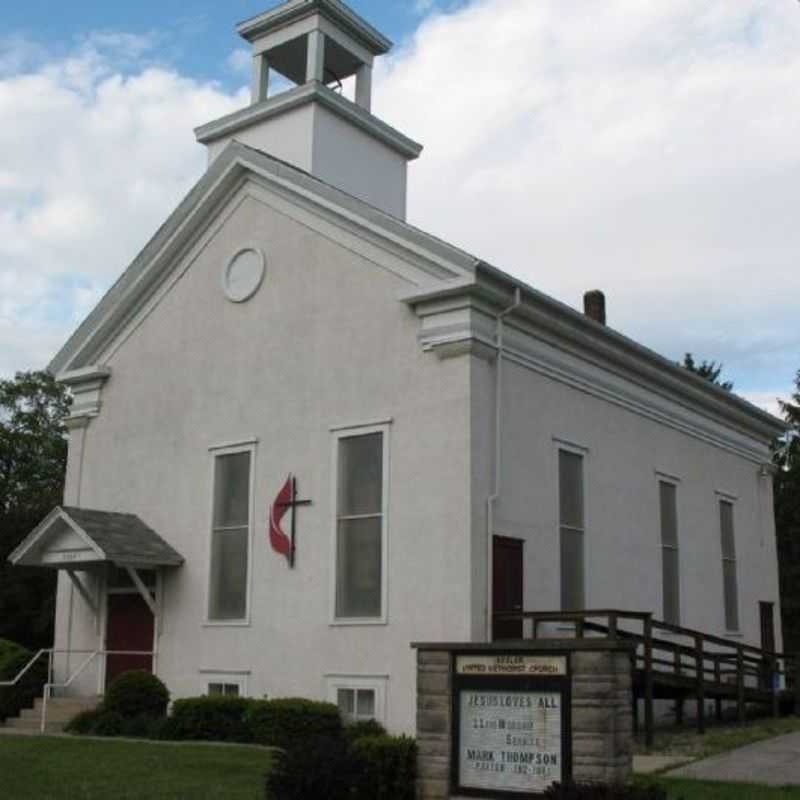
594	306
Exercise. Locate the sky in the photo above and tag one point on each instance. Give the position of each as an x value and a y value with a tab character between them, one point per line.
651	150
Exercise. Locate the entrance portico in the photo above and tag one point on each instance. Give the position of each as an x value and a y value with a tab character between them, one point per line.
115	563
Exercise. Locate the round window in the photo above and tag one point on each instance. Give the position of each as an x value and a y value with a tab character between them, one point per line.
243	275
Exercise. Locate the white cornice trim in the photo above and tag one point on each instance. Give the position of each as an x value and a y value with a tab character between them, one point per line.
42	529
86	385
78	377
312	92
461	320
546	320
295	10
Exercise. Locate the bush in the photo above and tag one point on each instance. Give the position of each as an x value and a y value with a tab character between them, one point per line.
85	723
285	722
220	719
320	768
137	693
384	767
108	723
14	658
358	730
602	791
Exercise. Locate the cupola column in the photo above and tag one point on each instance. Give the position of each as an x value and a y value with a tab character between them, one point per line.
260	88
364	87
315	68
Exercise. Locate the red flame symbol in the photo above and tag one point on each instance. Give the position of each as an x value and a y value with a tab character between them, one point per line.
277	538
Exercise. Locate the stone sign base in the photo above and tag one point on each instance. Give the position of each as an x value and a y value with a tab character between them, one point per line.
589	699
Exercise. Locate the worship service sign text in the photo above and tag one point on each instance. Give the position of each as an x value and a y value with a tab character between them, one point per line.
511	724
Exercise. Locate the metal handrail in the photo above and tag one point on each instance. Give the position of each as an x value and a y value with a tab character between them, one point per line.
22	672
48	687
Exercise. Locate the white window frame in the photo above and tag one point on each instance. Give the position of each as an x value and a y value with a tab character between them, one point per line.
670	480
570	446
244	446
338	433
237	677
375	683
732	500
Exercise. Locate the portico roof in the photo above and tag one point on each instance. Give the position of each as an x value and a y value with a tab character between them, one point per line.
73	538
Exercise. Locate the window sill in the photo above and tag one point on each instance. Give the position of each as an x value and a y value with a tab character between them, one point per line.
358	621
734	635
233	623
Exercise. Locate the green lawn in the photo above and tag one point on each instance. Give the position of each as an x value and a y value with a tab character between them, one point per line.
685	741
708	790
87	769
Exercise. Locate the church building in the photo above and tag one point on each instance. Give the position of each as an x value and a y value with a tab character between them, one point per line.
306	434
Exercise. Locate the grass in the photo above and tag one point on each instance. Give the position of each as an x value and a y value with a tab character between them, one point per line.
678	789
719	739
53	768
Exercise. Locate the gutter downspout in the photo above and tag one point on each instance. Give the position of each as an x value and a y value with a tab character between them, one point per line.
498	419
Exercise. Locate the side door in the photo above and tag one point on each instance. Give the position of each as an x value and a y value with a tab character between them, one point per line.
507	585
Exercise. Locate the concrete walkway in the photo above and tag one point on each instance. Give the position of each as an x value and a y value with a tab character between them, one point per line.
773	762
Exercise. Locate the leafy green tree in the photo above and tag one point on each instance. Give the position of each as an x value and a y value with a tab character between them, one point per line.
709	370
33	456
787	519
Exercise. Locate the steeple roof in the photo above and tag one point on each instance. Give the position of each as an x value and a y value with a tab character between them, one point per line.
294	11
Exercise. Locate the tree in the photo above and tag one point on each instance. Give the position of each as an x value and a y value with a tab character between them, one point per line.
787	519
709	370
33	457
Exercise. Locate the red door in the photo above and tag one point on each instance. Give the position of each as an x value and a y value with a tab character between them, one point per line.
130	628
507	586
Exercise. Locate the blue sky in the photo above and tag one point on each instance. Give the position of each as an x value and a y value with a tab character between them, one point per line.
647	149
196	37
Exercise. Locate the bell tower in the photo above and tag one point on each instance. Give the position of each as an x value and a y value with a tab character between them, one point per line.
317	44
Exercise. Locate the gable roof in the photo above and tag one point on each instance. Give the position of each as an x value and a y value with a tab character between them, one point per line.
108	536
438	270
434	259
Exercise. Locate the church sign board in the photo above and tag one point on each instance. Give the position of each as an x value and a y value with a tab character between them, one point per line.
511	724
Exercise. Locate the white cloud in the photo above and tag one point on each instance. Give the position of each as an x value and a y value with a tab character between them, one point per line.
97	157
767	401
648	149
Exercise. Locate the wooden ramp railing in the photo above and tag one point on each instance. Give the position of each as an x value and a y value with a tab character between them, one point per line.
671	662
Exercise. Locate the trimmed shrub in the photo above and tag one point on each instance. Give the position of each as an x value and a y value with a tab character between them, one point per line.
358	730
220	719
137	693
602	791
14	658
108	723
290	721
320	768
384	767
85	723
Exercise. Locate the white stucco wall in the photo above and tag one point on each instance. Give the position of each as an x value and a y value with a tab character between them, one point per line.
624	452
288	136
358	163
324	343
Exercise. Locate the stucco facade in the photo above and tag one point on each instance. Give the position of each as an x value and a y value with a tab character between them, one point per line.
362	322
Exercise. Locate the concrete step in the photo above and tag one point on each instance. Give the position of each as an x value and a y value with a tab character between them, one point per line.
79	703
60	710
20	725
53	714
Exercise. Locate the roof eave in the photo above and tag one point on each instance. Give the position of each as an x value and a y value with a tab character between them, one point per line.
356	26
496	288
